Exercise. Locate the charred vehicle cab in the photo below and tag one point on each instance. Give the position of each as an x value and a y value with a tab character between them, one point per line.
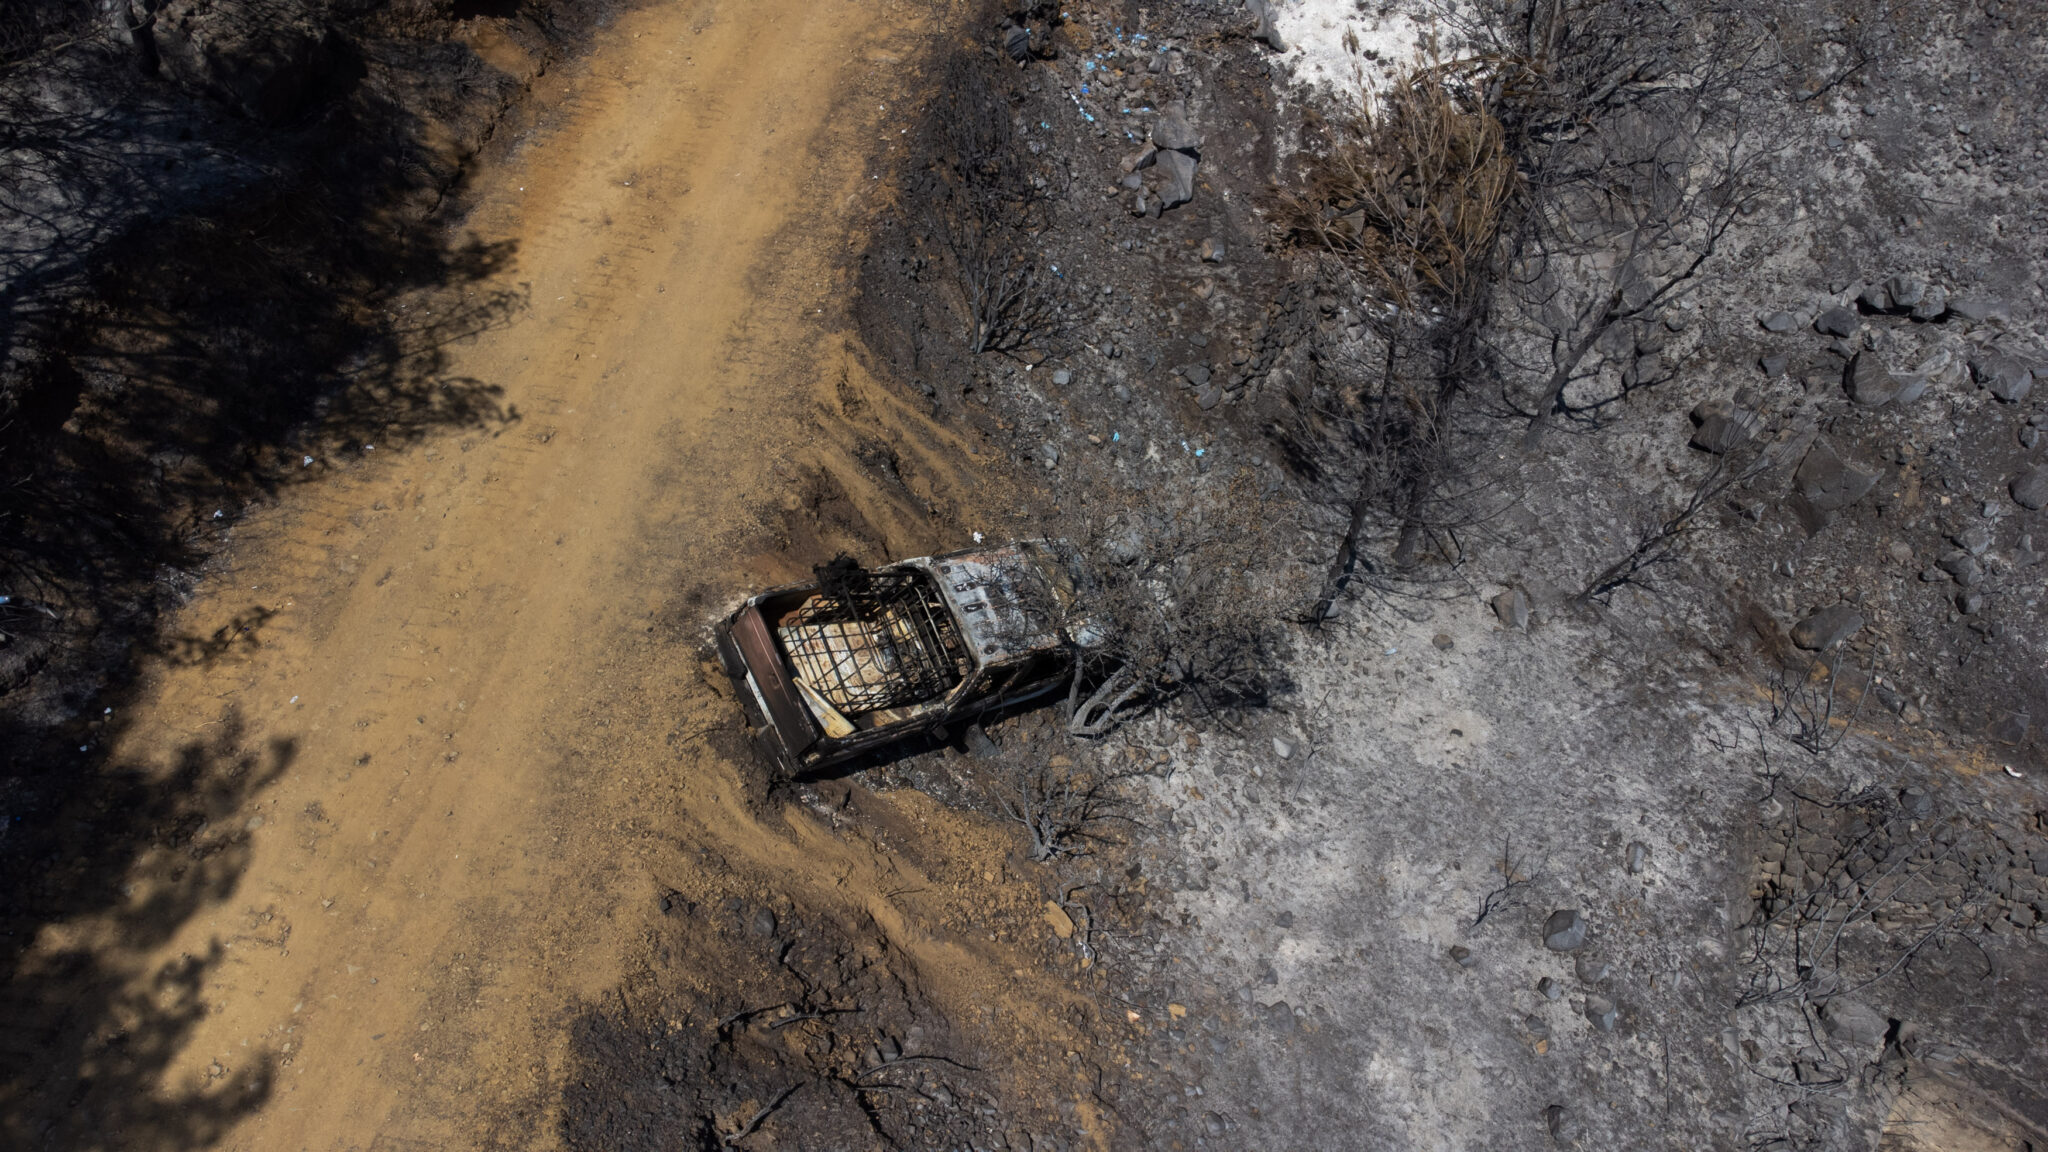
857	659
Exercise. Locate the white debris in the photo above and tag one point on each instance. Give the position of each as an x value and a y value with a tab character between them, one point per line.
1336	49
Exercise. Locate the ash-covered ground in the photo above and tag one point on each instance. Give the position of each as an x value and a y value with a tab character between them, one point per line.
1745	848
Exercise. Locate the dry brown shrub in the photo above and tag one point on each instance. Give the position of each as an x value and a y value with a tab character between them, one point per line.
1412	189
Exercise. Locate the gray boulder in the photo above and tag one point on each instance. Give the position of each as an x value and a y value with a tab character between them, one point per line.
1777	321
1905	291
1977	309
1265	29
1721	426
1827	628
2004	375
1512	606
1837	321
1933	303
1172	130
1830	483
1179	185
1565	931
1853	1024
1869	382
2030	488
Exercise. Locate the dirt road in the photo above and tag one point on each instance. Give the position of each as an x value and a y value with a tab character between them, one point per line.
456	685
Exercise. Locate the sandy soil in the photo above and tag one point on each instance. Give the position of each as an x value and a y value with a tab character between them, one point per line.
460	684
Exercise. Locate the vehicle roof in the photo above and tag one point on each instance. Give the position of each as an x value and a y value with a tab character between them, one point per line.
1008	600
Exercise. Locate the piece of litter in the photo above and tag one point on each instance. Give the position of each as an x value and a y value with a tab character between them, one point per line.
306	463
1390	651
295	699
83	747
217	513
2014	774
977	537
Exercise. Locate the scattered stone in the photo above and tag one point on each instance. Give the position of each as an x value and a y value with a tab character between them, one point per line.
1590	970
1933	303
1266	29
1179	185
1561	1124
1773	366
1777	321
1837	321
1637	856
1969	601
1977	309
2030	488
1830	483
1976	540
763	922
1209	396
1721	425
1512	606
1463	956
1916	803
1962	567
1139	160
1902	552
2012	729
1442	642
1869	382
1212	251
1565	931
1851	1023
1062	924
977	741
1602	1012
1874	298
1550	989
1827	628
1905	291
1283	748
1536	1026
1049	452
1173	132
1061	377
2005	376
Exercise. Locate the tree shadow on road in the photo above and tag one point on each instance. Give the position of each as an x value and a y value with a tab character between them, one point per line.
99	878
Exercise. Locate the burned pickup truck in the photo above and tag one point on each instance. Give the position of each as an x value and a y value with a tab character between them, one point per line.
857	659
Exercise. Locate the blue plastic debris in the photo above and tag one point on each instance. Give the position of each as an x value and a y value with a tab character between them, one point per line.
1201	451
1115	436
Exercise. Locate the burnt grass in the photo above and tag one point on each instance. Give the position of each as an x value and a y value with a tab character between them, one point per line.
216	310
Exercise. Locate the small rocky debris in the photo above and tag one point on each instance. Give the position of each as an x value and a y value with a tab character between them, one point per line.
1283	748
1512	606
2011	728
1961	567
1442	642
1212	251
1049	454
1827	628
2030	488
763	923
1602	1013
1565	931
1591	970
1637	856
1173	132
1462	956
1777	321
1536	1026
1550	989
1969	602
